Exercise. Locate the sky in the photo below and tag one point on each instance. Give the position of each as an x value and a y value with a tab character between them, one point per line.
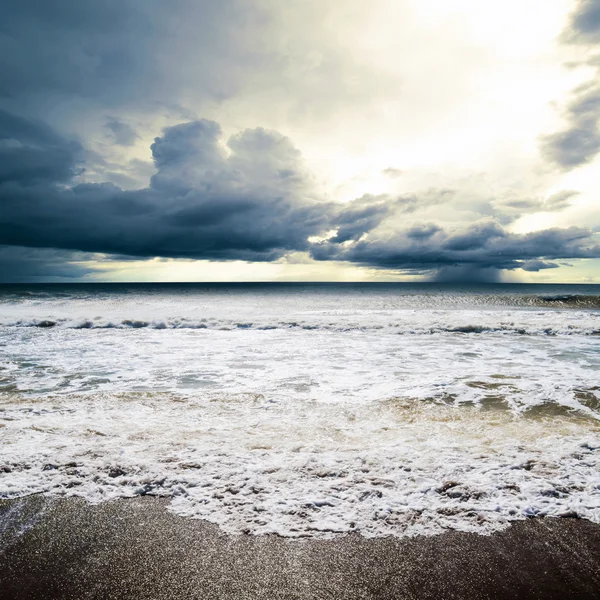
390	140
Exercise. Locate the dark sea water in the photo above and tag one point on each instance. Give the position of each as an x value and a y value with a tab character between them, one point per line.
307	409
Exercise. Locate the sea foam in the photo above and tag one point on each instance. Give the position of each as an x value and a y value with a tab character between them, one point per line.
306	413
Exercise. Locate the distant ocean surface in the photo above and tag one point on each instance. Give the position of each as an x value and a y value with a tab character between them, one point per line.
307	409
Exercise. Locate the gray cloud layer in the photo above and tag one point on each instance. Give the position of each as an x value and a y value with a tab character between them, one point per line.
19	264
482	245
114	52
251	199
579	142
123	134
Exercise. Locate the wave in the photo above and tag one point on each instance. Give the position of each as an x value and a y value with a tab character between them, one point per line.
443	467
401	328
566	301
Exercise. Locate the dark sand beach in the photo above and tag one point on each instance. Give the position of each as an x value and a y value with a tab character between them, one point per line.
67	548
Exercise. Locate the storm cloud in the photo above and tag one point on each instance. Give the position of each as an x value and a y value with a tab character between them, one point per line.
250	199
31	153
85	87
478	247
579	142
114	53
20	265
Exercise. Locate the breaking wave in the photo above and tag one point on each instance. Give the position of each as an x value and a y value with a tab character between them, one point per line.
305	411
402	328
398	468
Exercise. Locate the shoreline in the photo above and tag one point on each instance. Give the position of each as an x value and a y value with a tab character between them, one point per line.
135	548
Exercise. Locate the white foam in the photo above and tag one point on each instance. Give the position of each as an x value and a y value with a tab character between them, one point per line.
304	365
396	467
368	311
304	415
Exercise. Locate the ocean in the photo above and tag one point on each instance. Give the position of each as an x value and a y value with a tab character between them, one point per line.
307	410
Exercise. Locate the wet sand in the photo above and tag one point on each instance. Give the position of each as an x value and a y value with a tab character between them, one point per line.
69	549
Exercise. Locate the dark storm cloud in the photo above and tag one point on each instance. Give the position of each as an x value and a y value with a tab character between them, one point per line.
112	52
32	153
466	274
253	200
35	264
579	142
365	213
485	245
538	265
83	48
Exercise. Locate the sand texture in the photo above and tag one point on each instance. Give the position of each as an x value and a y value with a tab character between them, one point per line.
69	549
